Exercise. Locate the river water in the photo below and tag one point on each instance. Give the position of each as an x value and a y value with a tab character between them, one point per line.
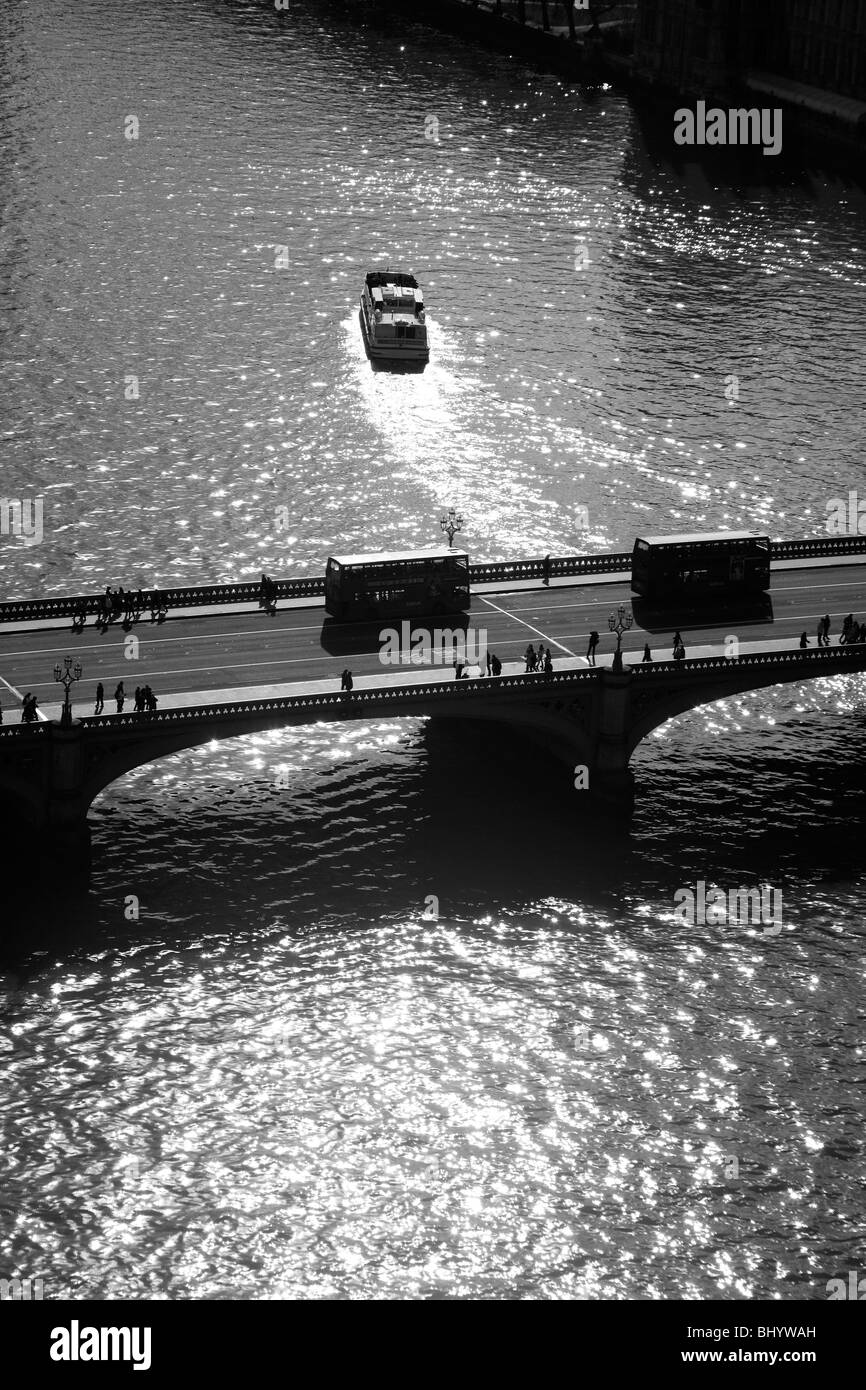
281	1080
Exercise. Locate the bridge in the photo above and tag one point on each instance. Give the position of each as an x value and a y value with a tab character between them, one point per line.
224	667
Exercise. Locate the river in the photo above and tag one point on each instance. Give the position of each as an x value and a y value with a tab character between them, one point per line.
281	1079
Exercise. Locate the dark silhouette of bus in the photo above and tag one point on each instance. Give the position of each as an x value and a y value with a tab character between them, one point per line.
705	566
387	584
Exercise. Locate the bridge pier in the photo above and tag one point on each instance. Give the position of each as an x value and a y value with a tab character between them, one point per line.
611	780
65	831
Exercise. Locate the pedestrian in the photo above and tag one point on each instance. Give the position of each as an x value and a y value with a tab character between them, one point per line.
820	633
647	654
590	650
539	660
496	664
679	652
825	623
151	700
100	699
804	641
139	700
529	657
267	598
545	569
349	682
458	669
489	663
1	713
548	663
119	697
678	642
25	707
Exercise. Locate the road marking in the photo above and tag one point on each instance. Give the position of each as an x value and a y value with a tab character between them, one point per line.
536	630
19	697
242	665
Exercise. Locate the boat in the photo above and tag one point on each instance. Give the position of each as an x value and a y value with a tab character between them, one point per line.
393	317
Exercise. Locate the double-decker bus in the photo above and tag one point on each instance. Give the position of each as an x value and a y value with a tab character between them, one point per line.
715	564
388	584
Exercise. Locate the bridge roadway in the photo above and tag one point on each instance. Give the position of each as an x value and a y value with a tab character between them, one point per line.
238	655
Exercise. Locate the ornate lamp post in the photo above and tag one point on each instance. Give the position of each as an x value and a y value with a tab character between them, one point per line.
67	675
451	524
619	623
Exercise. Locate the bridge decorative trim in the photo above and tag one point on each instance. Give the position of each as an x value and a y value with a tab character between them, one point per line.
313	586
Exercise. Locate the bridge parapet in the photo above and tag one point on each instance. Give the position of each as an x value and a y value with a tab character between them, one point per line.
527	685
313	586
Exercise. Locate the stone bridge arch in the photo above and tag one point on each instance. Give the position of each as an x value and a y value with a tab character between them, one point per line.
558	726
655	705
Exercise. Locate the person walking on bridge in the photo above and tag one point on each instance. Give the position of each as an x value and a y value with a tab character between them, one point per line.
804	641
100	699
590	650
647	654
529	657
825	624
119	696
545	570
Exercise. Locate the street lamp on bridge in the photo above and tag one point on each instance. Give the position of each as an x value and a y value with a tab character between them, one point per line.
619	623
67	674
451	524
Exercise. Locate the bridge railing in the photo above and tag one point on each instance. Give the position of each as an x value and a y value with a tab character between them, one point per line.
818	546
853	654
313	586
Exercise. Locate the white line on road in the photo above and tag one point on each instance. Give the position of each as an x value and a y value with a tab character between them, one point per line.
536	630
19	697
